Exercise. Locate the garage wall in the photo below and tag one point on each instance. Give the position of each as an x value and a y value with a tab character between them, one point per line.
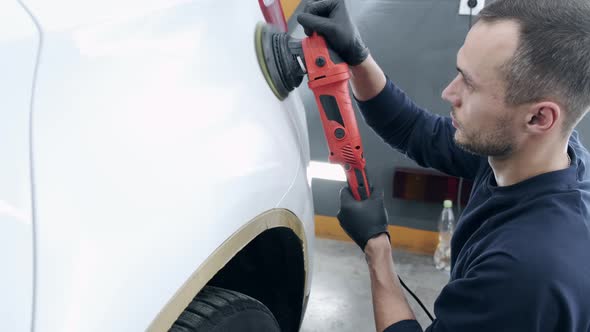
415	42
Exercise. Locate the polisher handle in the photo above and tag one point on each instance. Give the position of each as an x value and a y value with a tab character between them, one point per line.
328	79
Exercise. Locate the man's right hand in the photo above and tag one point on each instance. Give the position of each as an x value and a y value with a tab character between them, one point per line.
362	220
330	19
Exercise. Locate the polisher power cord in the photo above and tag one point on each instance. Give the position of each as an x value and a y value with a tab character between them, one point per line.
416	298
471	4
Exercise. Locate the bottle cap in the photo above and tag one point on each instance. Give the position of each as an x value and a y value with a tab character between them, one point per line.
448	203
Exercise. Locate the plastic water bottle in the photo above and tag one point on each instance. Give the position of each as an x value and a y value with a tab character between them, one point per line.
446	226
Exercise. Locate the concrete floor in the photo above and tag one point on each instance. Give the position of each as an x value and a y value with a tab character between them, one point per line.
340	297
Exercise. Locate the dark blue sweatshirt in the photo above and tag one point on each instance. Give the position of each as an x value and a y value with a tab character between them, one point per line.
521	253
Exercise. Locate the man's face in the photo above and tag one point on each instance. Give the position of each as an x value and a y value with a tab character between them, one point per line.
485	124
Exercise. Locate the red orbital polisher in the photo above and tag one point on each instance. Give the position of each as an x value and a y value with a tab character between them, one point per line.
284	61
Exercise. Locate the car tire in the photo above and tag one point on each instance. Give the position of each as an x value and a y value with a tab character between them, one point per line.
218	310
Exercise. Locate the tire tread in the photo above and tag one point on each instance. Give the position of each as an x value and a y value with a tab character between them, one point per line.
211	305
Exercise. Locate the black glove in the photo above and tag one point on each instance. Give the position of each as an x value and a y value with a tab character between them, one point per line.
330	19
362	220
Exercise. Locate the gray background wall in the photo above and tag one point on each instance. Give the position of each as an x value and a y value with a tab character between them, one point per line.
415	42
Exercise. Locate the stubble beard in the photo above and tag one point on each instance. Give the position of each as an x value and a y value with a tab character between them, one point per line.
497	143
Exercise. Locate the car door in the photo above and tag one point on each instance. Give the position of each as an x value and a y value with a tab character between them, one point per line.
155	139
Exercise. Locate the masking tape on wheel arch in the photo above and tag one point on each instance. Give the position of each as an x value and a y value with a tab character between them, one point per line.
221	256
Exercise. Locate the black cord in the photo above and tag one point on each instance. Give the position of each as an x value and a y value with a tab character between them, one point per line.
471	4
416	298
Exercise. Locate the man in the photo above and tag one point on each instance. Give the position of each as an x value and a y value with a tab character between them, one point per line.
520	252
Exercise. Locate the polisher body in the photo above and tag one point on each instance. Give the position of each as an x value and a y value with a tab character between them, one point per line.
284	61
328	79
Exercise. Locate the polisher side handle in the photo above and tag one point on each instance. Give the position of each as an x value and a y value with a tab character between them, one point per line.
328	79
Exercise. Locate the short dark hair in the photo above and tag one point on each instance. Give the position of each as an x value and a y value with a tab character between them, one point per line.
553	56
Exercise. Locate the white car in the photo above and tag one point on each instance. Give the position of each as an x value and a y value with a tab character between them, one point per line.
149	180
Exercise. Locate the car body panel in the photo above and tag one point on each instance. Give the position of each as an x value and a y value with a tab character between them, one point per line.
155	139
18	50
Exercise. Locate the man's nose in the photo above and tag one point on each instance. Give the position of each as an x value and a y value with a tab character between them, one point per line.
451	94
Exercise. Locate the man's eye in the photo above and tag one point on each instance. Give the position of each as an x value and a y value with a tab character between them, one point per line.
467	83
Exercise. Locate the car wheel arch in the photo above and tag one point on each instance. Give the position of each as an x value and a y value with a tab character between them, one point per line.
276	227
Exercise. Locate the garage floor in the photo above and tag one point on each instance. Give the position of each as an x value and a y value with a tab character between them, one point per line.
340	293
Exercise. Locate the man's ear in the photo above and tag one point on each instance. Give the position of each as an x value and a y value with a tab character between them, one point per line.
542	117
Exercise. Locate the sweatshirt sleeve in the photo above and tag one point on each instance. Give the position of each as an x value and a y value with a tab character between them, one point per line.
424	137
404	326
